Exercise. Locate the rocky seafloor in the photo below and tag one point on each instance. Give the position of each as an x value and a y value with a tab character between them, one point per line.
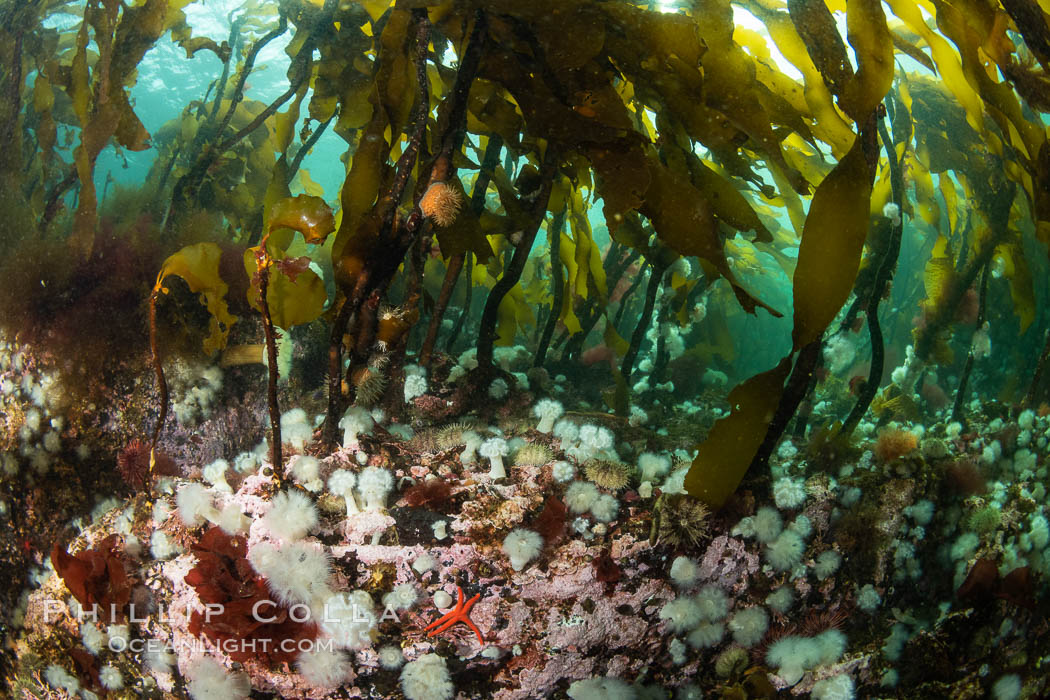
911	564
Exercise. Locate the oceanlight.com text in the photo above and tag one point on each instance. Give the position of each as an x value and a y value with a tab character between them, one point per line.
226	646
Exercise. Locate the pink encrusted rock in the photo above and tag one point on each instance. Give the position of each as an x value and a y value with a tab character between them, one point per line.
451	561
370	555
569	557
252	495
728	563
517	616
446	472
541	682
173	627
527	477
362	527
606	625
510	512
618	665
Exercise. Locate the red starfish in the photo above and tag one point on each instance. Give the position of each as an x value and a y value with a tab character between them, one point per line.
460	613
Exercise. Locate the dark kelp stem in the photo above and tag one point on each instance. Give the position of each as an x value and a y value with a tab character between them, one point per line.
487	331
452	138
964	378
628	295
293	167
207	128
397	234
191	181
656	277
11	108
293	87
465	312
54	198
448	285
662	357
554	237
883	276
263	262
794	392
455	263
168	167
246	68
234	42
998	216
158	370
335	372
203	157
593	309
878	360
478	204
412	277
1037	389
801	373
366	283
162	387
406	162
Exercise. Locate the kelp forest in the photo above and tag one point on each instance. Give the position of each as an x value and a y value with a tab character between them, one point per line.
499	349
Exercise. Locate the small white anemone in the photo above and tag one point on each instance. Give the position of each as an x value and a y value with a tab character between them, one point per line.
471	441
498	389
215	474
341	483
195	505
495	449
296	428
355	421
306	472
652	466
548	411
403	597
374	484
522	546
415	386
291	515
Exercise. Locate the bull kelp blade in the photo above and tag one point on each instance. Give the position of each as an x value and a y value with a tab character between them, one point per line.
724	457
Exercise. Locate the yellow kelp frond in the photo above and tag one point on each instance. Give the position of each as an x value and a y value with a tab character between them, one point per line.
295	293
832	241
938	277
727	202
304	213
873	47
685	223
1015	268
831	127
198	265
726	454
515	314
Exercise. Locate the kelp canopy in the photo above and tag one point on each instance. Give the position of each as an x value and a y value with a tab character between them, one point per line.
477	138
